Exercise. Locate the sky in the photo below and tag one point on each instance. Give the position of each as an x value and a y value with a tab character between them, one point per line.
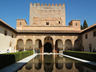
10	10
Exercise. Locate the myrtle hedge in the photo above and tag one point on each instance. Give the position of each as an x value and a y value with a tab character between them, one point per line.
10	58
91	56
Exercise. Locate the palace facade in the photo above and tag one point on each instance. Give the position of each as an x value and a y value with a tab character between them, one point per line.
46	32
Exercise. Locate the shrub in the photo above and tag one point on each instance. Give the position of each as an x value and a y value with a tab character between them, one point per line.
91	56
10	58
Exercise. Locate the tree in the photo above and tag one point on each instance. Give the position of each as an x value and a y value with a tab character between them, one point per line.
85	25
81	27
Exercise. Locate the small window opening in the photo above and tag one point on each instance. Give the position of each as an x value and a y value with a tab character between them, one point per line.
86	36
94	33
76	24
47	23
5	32
20	23
59	22
12	36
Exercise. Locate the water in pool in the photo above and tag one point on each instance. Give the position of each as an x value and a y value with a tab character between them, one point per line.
55	63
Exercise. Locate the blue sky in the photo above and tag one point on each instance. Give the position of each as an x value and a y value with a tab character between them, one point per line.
10	10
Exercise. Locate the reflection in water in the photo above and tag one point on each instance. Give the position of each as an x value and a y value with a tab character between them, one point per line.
48	67
48	63
59	65
68	65
79	67
38	65
28	66
55	63
58	62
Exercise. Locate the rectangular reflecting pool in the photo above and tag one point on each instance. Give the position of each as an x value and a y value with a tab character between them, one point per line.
55	63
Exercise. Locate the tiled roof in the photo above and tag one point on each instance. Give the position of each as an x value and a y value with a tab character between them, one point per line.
48	31
6	25
89	28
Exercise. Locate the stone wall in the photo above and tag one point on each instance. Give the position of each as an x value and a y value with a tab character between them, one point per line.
41	37
89	43
43	15
7	40
48	28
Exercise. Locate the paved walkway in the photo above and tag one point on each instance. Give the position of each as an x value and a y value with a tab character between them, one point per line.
82	60
19	64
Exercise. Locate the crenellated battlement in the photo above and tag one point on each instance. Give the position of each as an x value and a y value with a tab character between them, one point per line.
38	4
47	14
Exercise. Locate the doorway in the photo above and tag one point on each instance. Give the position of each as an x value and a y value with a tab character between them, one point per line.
48	47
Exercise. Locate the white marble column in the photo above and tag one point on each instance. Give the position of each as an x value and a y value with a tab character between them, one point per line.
34	46
73	43
54	46
63	45
42	46
24	45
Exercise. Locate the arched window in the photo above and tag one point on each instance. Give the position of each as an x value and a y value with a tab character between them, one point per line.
48	39
77	45
68	44
38	46
59	45
20	45
29	44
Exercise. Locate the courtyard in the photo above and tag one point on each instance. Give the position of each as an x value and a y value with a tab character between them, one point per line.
47	36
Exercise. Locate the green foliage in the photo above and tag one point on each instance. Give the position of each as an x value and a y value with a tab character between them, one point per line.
85	25
10	58
91	56
81	27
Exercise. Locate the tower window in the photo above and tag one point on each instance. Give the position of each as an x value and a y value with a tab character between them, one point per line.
20	23
59	22
76	24
47	23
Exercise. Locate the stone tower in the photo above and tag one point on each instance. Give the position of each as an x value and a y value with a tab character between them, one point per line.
47	15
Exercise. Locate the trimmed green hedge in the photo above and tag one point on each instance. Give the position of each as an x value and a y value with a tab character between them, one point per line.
91	56
10	58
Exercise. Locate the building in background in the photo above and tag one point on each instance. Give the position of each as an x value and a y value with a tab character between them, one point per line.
46	32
